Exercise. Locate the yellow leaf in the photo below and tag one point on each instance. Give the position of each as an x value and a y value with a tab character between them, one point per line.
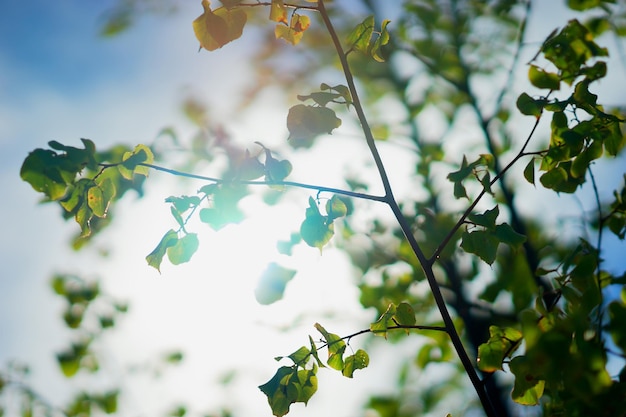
278	12
215	28
293	33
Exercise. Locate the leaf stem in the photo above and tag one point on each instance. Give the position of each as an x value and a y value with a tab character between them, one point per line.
396	327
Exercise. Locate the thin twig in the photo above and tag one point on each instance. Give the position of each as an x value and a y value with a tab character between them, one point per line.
496	178
294	184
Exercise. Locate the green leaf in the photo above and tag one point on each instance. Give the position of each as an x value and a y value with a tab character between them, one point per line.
69	362
224	208
314	353
177	217
529	106
276	394
183	249
336	347
614	140
108	402
405	314
174	358
316	230
528	388
570	49
560	179
383	39
216	28
486	219
250	168
481	243
322	97
581	5
83	217
459	190
131	162
507	235
359	38
502	343
359	360
463	172
179	411
183	203
307	381
486	182
617	314
95	201
553	178
335	207
300	356
155	257
380	326
529	171
307	122
272	283
341	89
542	79
41	169
277	171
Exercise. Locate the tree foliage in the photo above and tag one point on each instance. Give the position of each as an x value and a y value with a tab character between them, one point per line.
542	309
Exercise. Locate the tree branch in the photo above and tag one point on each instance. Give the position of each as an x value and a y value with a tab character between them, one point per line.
294	184
404	225
495	179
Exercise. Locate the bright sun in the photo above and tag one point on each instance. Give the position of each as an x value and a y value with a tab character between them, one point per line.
207	307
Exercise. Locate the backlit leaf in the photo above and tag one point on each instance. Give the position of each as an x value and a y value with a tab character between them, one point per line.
335	207
502	343
542	79
383	39
405	314
250	168
40	169
359	38
272	283
359	360
155	257
95	200
380	326
336	347
183	249
294	32
481	243
316	230
131	162
306	122
276	392
216	28
300	356
278	11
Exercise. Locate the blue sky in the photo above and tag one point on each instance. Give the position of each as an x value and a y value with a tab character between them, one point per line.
60	81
